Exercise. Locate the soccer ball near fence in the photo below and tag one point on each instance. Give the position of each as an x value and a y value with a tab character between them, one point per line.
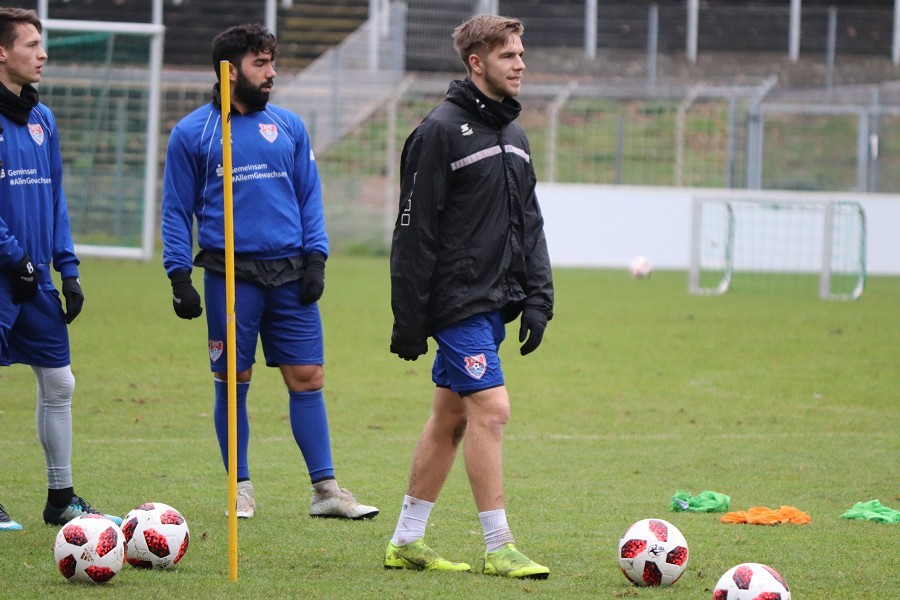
156	536
751	581
653	552
89	548
640	267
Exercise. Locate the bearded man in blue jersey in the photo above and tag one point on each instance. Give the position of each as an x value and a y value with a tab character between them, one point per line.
280	247
35	237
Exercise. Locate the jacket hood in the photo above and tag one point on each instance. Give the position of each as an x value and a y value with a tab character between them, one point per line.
467	95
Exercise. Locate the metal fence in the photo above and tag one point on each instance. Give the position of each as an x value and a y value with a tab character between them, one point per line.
725	136
736	119
669	39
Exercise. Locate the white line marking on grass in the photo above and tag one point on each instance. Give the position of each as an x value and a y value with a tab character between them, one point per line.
675	436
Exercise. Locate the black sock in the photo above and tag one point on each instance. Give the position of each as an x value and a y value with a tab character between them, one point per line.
60	498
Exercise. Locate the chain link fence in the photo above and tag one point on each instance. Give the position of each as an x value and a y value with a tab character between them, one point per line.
744	115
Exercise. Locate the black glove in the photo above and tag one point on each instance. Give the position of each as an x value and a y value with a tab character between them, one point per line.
24	280
409	351
313	283
533	324
74	297
185	299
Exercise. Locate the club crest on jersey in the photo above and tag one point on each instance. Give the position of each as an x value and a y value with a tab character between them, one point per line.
37	133
269	131
476	366
215	349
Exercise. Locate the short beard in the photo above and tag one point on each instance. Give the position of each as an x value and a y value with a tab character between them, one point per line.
252	97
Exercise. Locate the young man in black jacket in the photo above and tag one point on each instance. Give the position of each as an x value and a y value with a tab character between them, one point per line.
468	256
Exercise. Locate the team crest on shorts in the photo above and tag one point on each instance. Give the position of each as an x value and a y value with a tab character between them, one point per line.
215	349
37	133
269	131
476	366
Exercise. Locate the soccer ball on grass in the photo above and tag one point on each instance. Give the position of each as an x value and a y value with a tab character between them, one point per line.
89	548
640	267
156	536
751	581
653	552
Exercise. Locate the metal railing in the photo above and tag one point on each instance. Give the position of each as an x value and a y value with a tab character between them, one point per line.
741	121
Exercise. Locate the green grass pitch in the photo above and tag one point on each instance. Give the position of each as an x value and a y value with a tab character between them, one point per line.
638	390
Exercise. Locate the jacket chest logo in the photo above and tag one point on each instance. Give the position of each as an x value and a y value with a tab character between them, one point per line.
268	131
466	130
37	133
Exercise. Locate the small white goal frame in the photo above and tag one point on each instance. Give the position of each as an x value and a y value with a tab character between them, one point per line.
156	32
824	210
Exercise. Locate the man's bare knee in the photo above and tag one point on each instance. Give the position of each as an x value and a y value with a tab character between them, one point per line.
488	408
303	378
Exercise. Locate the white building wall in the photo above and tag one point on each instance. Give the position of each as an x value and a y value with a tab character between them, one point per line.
606	226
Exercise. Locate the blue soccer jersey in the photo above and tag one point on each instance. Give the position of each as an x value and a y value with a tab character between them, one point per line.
33	214
277	194
34	220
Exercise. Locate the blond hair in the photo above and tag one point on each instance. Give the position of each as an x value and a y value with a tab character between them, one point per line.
483	33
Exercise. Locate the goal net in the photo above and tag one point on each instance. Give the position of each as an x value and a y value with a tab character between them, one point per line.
790	243
102	83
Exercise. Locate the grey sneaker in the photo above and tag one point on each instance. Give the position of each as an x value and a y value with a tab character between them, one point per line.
246	500
330	501
6	522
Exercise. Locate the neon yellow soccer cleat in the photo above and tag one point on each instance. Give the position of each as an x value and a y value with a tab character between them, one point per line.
509	562
416	555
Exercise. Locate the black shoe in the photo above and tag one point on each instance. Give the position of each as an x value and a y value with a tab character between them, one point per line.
77	506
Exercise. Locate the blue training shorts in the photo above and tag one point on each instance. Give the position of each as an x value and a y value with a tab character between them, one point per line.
466	358
291	333
34	333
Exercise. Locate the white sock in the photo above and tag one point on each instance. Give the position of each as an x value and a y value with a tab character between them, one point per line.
413	517
496	530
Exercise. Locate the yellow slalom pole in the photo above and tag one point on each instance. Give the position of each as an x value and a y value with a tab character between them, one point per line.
231	336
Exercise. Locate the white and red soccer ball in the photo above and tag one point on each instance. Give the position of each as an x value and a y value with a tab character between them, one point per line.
640	267
89	548
751	581
156	536
653	552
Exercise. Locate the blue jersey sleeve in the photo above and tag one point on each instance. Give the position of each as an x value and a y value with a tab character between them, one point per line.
179	194
10	251
309	195
64	259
